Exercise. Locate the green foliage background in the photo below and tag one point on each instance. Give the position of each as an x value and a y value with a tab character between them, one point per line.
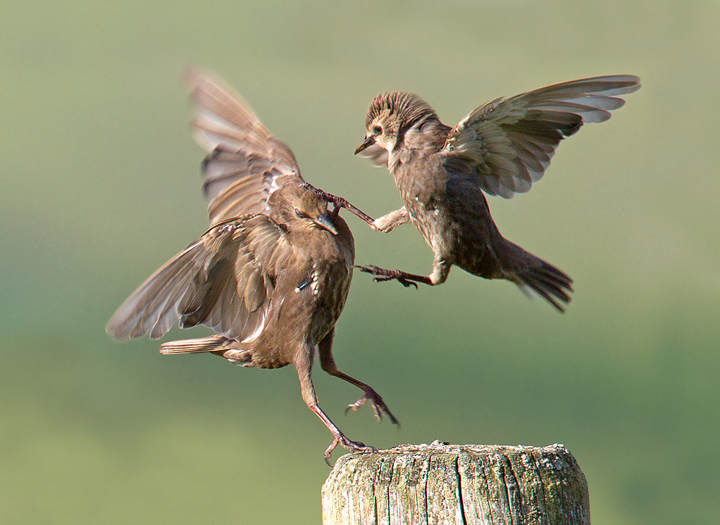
100	186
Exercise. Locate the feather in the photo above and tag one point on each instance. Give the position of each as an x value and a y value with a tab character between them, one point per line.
530	126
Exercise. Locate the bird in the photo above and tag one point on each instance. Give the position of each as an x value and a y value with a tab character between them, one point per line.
270	276
501	148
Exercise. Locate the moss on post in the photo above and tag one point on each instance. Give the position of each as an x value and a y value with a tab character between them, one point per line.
462	484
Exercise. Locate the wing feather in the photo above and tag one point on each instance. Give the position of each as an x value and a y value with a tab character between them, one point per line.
245	163
224	280
508	143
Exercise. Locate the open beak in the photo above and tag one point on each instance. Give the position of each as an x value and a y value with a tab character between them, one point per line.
324	222
369	141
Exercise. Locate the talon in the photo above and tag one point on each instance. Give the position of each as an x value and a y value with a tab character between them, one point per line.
340	202
329	451
406	283
382	275
351	446
376	270
376	402
360	402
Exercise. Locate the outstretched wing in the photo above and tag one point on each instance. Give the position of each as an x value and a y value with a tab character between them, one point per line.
245	162
508	143
224	280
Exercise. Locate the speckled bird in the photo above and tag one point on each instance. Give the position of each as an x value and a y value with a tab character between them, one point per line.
271	275
501	148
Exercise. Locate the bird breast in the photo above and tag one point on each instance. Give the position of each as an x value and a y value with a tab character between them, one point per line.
324	279
421	183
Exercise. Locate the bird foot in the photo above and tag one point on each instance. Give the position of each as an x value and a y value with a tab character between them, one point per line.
404	278
352	446
340	202
376	402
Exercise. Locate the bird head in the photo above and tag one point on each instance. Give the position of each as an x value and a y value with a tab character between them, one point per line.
390	116
301	209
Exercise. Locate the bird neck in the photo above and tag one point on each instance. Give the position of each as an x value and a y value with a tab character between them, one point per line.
420	140
428	136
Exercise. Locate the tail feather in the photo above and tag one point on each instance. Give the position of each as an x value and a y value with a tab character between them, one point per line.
535	276
214	343
547	281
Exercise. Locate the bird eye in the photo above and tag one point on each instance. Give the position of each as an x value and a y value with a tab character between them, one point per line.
300	214
377	130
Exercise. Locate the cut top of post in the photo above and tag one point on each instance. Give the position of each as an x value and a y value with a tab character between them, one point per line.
457	484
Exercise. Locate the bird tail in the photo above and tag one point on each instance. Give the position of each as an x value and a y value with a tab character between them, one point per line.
537	277
214	343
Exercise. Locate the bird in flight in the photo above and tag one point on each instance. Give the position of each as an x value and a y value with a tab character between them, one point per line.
271	275
501	148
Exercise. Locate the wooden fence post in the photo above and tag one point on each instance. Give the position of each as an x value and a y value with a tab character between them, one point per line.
457	484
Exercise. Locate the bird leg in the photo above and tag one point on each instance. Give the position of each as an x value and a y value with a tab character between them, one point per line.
404	278
392	220
441	269
303	364
339	202
327	362
338	437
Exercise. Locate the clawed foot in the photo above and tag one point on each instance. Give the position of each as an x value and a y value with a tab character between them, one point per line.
404	278
352	446
339	202
376	402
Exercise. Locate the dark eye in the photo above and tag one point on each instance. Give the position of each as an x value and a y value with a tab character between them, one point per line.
377	130
300	214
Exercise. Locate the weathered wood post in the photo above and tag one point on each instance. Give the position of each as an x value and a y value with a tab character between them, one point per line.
457	484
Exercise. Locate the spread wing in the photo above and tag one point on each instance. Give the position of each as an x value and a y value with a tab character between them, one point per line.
245	162
224	280
508	143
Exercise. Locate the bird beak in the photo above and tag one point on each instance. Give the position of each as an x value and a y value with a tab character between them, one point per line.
324	222
369	141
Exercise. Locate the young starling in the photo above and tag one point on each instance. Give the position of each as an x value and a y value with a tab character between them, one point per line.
271	275
500	148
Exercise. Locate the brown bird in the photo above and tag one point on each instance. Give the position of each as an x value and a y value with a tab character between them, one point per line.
501	148
271	275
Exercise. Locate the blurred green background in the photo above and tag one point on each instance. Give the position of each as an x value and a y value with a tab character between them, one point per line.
100	186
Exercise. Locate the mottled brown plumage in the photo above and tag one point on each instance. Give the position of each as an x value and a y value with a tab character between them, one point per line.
271	275
501	148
